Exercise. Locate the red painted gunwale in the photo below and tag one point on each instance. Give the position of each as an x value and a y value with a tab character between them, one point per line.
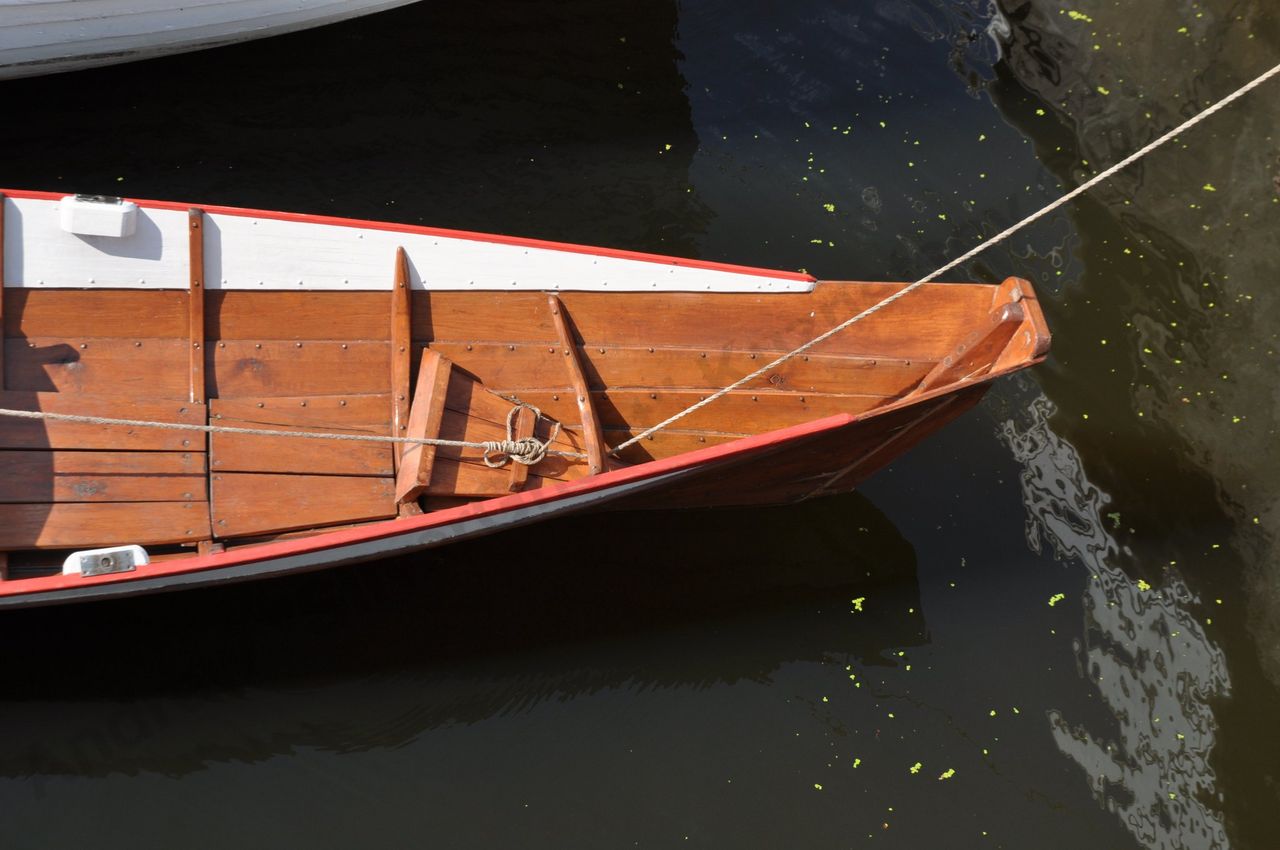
497	239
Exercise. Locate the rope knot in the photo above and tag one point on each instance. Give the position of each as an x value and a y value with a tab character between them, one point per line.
528	451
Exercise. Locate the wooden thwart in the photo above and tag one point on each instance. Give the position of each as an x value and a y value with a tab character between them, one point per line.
425	415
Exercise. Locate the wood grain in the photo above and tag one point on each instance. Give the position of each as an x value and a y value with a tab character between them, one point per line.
83	525
427	412
573	362
522	366
76	313
349	414
254	503
29	434
93	476
400	357
920	326
137	368
195	303
240	368
254	316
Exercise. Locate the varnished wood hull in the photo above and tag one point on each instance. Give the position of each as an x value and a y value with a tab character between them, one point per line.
131	329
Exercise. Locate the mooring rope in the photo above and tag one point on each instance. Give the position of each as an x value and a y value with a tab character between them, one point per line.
526	450
522	450
963	258
517	450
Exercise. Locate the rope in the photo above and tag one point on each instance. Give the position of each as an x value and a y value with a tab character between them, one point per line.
530	451
963	258
516	450
527	450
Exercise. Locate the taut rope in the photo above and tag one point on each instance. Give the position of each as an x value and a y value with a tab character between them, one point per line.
531	451
963	258
517	450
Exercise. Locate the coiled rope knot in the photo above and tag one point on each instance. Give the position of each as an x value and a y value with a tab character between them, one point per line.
527	450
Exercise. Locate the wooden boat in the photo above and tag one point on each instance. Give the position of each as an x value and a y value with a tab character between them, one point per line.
51	36
217	321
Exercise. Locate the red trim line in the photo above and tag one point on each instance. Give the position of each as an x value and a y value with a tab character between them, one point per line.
396	527
496	239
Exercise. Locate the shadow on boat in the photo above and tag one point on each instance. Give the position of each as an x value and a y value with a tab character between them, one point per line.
374	655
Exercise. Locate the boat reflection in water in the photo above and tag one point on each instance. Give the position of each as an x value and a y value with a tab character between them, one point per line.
1152	663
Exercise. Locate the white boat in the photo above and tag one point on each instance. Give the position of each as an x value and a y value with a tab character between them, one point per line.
52	36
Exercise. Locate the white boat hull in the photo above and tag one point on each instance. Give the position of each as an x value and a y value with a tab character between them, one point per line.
53	36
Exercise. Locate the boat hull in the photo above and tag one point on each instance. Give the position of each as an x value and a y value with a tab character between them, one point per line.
54	37
172	379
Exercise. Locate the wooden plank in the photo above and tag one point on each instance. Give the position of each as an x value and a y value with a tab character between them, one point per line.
518	473
30	434
128	367
240	368
84	525
513	367
92	476
195	304
416	461
919	327
751	411
76	313
977	352
592	436
246	503
254	316
1031	341
351	414
400	349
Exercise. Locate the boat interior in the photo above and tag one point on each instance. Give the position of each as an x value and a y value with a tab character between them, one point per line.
598	367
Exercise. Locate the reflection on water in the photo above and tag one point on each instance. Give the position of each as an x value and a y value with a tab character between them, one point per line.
1152	663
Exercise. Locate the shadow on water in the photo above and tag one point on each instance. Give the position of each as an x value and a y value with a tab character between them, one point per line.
372	656
538	119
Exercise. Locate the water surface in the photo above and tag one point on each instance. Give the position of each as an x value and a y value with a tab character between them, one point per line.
1067	632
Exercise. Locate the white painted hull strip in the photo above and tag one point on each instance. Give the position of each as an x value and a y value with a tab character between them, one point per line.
246	250
51	36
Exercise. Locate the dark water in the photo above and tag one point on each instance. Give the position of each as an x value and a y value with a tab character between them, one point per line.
1070	599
